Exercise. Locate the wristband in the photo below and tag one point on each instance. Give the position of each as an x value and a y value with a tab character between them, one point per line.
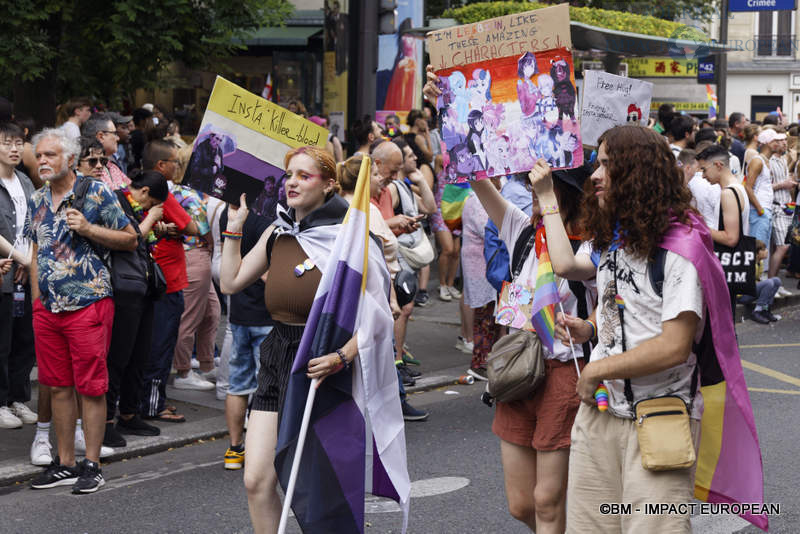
549	209
232	235
594	327
344	360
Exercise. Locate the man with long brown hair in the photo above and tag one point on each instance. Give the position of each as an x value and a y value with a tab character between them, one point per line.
638	216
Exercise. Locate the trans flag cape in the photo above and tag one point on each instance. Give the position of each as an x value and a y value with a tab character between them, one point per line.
729	467
352	298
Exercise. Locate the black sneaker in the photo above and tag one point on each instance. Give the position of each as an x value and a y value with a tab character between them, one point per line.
759	317
91	478
413	373
422	299
771	316
136	427
412	414
112	438
56	475
407	379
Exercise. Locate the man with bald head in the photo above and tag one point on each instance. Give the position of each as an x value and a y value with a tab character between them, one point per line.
389	159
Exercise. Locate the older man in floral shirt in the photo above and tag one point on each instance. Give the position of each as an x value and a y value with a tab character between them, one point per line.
73	311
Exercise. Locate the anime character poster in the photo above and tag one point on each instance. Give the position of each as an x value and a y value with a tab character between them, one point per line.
399	77
609	100
241	145
498	117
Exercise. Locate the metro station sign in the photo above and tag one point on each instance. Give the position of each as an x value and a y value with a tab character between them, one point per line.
762	5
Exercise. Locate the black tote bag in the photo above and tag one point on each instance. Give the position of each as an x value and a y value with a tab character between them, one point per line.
739	261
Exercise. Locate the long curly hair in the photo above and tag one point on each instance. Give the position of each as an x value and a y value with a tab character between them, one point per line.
645	190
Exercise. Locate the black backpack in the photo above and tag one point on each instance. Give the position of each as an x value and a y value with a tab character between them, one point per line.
128	269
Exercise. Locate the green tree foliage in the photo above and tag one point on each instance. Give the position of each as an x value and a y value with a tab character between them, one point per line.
109	48
671	10
603	18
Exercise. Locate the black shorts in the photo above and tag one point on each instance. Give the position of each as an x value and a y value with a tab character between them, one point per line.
277	356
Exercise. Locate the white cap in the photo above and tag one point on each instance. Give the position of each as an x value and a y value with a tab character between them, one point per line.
768	135
148	107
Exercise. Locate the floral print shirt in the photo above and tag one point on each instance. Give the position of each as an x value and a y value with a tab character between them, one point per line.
71	275
195	205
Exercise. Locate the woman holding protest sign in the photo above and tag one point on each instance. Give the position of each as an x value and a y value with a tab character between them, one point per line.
535	431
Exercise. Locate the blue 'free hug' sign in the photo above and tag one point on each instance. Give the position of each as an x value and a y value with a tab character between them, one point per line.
762	5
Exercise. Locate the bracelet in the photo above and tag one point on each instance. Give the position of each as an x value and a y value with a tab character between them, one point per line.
232	235
594	327
344	360
549	209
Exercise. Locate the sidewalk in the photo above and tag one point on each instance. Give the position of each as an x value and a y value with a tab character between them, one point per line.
431	335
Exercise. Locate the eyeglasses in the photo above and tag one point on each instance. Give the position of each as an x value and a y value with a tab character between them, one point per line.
8	144
93	161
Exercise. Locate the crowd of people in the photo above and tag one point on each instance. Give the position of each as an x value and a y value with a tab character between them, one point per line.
104	188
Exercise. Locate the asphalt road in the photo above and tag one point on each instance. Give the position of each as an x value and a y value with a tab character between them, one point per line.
453	461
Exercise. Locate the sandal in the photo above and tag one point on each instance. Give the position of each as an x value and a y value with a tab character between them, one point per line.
167	417
171	408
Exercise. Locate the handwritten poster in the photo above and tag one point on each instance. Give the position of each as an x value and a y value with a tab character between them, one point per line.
509	35
498	117
241	144
609	100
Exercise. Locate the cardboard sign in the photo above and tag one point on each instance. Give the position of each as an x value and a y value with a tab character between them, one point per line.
610	100
241	145
498	117
510	35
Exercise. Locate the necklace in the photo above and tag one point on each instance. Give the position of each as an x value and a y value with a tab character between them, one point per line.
138	212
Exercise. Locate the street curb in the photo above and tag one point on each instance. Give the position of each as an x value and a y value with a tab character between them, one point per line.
142	446
442	378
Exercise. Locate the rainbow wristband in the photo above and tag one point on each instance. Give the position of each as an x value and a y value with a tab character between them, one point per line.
594	328
549	209
232	235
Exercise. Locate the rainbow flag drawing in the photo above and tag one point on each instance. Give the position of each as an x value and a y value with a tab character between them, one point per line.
454	196
545	296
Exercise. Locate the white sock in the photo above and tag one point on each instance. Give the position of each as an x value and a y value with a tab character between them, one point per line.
78	427
43	429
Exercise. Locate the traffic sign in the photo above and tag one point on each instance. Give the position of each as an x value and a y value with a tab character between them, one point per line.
762	5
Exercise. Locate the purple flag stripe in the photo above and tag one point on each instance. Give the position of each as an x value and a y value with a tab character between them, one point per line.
250	165
381	483
343	296
342	435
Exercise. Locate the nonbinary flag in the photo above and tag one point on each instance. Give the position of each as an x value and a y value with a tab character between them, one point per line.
352	298
545	294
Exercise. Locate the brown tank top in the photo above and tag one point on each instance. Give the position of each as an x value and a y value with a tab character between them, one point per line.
288	297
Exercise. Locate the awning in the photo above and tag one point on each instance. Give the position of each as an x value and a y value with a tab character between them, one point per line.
586	37
285	36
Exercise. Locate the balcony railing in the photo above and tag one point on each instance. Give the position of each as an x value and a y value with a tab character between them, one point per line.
775	45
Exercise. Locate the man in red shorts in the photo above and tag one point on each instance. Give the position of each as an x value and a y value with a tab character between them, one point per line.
73	311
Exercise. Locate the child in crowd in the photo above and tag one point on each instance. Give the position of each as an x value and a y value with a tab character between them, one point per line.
765	289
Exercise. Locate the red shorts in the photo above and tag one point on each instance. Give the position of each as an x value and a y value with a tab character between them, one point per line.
72	347
544	421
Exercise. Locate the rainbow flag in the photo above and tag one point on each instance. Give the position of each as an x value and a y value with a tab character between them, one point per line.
545	296
712	102
454	196
788	208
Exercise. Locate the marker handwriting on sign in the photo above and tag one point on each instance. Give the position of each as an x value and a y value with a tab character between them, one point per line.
269	120
622	88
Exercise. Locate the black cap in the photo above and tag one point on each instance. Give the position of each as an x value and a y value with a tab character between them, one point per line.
574	177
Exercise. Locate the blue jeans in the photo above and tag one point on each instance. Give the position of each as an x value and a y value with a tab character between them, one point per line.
245	358
765	290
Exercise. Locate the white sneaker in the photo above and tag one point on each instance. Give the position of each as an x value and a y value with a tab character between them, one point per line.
8	419
192	381
783	292
465	346
455	293
41	451
444	294
25	414
211	375
216	361
80	446
195	364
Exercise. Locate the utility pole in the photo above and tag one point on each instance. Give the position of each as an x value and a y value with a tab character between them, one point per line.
363	59
722	64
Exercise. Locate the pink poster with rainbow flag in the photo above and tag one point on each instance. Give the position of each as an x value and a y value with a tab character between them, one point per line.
498	117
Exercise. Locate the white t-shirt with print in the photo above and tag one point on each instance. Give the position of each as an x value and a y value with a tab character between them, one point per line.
14	188
514	222
644	313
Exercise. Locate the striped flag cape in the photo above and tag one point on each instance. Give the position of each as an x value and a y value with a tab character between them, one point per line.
729	467
545	294
352	298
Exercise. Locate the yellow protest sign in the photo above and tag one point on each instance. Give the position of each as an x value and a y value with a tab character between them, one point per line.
661	67
262	116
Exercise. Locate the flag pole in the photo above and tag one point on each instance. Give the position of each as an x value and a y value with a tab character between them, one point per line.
571	346
298	453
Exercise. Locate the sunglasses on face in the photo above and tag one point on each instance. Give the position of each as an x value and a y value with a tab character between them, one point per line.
93	161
